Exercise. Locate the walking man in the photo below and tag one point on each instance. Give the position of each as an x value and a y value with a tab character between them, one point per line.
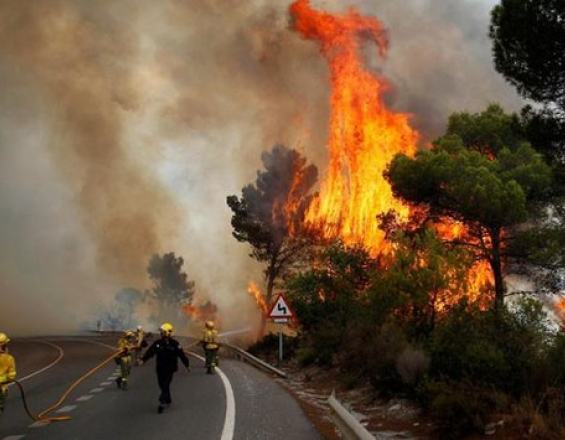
126	345
167	352
210	344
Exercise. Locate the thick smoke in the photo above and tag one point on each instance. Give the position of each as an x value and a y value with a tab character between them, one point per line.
124	124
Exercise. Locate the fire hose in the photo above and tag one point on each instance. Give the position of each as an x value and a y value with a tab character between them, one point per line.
43	415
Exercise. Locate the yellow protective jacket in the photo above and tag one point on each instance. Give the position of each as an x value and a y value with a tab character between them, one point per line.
125	346
210	339
7	368
140	335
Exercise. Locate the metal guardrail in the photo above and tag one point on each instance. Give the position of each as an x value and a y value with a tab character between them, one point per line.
350	427
244	355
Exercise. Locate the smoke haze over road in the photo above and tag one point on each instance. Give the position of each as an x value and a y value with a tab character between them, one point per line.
125	124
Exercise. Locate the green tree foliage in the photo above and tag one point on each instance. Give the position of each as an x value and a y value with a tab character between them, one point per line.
354	292
328	298
481	173
374	321
529	50
270	212
422	277
171	286
529	47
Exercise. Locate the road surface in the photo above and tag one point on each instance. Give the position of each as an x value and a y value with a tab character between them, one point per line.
241	403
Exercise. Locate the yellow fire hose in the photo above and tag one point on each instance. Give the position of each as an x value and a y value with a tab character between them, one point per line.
43	415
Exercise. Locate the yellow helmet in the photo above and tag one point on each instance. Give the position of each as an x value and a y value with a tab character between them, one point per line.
210	324
4	339
129	334
166	328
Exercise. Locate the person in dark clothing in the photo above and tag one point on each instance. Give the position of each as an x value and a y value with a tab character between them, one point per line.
167	351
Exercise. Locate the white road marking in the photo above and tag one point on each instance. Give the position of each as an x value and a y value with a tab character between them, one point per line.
105	384
39	424
67	408
14	437
111	378
84	398
52	364
229	420
96	390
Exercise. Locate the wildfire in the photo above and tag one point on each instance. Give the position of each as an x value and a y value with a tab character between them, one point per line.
559	309
259	298
203	312
364	135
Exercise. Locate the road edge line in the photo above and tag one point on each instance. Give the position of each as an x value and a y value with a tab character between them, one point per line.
52	364
229	420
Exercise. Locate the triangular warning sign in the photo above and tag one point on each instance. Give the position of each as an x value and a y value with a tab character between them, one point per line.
280	308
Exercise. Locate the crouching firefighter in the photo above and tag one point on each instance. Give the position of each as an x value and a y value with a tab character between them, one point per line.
7	369
210	344
126	345
167	352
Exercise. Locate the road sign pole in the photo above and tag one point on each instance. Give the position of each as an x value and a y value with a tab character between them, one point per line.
280	347
280	313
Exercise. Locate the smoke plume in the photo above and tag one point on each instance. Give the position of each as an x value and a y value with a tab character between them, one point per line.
124	124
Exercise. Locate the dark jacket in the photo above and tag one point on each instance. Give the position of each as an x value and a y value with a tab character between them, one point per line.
167	351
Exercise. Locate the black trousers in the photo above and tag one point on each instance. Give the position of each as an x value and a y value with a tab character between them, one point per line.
165	377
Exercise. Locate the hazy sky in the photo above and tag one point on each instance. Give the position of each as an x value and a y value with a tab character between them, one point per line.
124	125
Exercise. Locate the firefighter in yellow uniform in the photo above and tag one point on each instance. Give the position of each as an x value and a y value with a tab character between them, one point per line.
140	343
126	345
211	345
7	369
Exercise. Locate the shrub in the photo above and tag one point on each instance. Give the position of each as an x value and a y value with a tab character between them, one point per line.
412	364
460	408
306	356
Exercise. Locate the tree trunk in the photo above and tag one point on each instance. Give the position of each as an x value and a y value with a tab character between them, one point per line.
496	265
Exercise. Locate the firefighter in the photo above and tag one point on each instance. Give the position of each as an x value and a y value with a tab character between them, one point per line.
7	369
126	345
167	351
140	343
210	344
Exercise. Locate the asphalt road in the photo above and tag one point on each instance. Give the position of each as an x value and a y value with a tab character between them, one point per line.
238	403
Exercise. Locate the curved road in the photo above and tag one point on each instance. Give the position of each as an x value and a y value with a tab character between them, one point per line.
244	404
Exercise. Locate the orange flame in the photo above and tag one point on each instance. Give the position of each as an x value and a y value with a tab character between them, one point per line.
480	274
258	296
364	135
203	312
559	310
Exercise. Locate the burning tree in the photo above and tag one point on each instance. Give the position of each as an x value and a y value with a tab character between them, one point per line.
171	286
364	135
270	213
480	174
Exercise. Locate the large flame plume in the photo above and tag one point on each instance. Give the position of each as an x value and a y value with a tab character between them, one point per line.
364	134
